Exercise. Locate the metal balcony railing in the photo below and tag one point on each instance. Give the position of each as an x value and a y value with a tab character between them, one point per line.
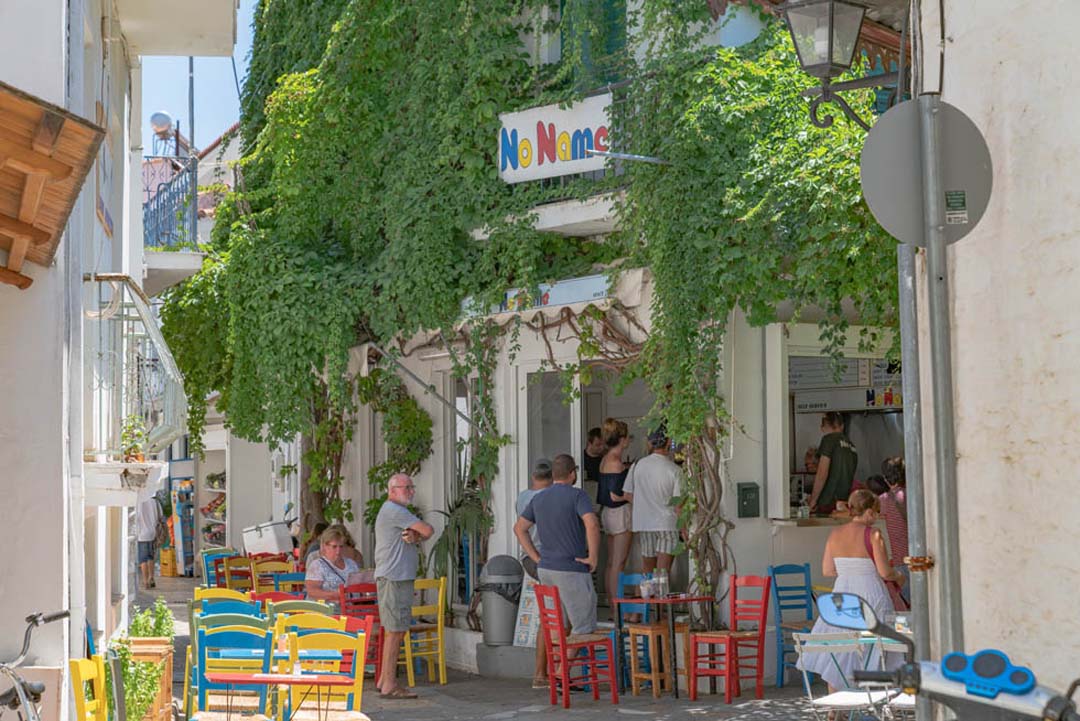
170	211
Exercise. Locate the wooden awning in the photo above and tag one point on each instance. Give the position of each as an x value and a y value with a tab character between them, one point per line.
46	153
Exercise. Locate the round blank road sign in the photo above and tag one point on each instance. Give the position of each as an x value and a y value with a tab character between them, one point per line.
892	178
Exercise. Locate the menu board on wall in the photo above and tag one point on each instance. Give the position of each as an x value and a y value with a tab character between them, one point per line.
812	372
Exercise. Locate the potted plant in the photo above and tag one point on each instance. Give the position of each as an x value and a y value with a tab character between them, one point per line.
133	439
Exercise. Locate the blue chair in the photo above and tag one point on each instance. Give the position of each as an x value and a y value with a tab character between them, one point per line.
209	555
791	591
646	610
211	642
291	582
220	605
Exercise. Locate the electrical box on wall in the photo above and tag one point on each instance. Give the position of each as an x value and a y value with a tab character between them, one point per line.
749	497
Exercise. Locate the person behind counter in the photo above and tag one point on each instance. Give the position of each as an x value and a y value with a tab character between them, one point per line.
837	459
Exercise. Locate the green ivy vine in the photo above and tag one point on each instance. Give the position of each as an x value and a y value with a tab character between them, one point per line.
369	207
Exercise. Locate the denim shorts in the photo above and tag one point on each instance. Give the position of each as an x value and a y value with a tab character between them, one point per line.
145	551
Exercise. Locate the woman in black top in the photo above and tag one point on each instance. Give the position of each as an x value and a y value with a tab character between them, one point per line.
615	511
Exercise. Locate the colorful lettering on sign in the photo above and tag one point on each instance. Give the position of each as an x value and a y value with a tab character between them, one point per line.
552	145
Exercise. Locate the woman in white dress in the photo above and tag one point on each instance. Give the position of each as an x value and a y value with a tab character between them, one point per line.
855	554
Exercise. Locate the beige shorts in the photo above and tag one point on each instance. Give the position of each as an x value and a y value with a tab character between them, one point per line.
617	520
395	604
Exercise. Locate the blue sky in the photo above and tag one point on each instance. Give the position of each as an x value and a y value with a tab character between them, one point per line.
165	87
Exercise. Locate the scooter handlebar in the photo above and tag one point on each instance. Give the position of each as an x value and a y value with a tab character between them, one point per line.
58	615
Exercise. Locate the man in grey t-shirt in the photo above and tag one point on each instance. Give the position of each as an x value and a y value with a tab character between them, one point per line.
397	533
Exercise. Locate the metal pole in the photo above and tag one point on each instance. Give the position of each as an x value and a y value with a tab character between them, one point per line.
194	160
915	492
428	388
948	560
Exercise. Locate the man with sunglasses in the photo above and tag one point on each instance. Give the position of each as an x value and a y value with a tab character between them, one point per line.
398	533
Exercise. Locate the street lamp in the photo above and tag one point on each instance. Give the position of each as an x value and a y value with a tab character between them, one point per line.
826	34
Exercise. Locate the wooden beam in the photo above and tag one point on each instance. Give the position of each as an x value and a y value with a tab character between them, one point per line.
31	161
33	191
47	132
17	254
16	229
20	281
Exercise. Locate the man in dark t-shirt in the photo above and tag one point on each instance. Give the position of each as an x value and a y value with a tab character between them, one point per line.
569	542
837	460
593	455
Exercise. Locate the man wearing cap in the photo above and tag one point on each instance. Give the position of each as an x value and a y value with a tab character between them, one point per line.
569	534
651	483
540	480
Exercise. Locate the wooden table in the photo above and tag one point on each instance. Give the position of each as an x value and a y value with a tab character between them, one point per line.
669	601
242	678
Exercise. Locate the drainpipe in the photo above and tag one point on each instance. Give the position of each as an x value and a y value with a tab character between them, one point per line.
194	159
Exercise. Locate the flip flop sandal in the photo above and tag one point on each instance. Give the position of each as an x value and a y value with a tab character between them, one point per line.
398	693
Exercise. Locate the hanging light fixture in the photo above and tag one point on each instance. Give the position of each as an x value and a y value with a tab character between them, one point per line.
826	34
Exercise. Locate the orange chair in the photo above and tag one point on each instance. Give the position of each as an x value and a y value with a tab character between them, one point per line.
565	653
730	661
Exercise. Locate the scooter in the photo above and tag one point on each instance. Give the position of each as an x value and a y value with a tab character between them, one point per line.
985	685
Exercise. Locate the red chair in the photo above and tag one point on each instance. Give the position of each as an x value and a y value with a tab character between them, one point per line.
730	661
360	601
565	653
276	596
268	556
369	626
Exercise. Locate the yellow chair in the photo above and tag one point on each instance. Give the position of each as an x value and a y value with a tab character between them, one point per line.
337	703
289	608
90	672
285	623
263	570
215	593
238	573
425	638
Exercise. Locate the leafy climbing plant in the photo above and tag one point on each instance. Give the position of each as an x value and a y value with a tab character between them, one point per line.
368	207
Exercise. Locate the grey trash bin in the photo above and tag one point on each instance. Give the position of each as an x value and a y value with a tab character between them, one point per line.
500	584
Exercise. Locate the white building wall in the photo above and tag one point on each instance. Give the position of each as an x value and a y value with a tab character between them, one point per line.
1014	333
32	335
249	499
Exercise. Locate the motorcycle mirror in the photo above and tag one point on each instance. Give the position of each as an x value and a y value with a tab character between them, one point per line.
847	610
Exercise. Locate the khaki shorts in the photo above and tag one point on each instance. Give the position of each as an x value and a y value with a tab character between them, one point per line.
654	542
395	604
617	520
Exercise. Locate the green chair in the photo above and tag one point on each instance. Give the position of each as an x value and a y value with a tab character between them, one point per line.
297	606
234	621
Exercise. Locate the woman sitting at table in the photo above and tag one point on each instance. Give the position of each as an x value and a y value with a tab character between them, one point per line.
330	569
855	555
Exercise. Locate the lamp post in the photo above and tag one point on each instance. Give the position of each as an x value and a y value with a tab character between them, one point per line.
826	34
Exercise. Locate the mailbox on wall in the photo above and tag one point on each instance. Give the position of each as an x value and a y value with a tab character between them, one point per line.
749	498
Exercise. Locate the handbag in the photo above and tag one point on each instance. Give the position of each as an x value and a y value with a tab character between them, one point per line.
899	604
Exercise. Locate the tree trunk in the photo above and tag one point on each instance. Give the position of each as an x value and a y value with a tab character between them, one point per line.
310	501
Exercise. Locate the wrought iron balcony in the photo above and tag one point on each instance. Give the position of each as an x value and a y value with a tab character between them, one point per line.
170	207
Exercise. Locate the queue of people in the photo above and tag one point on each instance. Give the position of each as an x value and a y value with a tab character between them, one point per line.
559	528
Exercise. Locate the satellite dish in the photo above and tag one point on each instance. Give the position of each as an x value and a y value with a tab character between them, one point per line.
161	123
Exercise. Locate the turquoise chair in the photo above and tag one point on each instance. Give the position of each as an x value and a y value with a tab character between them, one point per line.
219	605
212	642
646	610
791	592
290	580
